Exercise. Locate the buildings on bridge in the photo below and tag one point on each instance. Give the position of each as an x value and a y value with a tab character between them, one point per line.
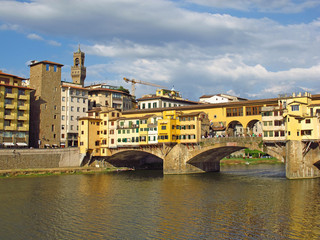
297	117
107	128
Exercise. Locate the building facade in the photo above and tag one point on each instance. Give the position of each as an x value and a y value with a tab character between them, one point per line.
74	105
103	95
14	111
163	99
45	115
220	98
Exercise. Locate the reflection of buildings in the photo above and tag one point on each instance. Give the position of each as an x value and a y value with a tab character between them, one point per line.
14	111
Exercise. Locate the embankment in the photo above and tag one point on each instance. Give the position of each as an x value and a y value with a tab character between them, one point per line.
39	158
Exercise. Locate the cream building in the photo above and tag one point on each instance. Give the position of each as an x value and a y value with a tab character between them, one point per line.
103	95
14	111
163	99
74	101
74	105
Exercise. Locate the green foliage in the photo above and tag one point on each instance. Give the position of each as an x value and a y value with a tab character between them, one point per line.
122	89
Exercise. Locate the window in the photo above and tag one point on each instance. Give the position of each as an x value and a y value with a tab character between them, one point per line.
308	121
82	132
71	99
84	101
295	108
47	67
63	108
149	105
52	127
62	117
7	123
71	118
143	105
163	127
21	92
55	68
63	99
62	127
154	105
72	108
8	90
233	112
78	109
54	116
84	109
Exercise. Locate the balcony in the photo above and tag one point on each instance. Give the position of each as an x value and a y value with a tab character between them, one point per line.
9	106
10	95
23	107
23	97
9	117
9	128
23	128
23	118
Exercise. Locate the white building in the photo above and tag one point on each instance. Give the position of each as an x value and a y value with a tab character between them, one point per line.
220	98
163	99
74	104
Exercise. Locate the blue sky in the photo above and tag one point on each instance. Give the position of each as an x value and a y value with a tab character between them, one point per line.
249	48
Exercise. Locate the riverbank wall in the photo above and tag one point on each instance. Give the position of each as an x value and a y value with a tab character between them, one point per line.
39	158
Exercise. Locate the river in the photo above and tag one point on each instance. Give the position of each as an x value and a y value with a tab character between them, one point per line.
240	202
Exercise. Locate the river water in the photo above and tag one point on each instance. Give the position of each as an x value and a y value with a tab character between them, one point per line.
240	202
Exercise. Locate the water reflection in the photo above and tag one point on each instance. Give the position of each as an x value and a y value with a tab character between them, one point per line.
254	202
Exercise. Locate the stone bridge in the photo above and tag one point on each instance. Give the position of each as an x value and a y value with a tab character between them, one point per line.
190	158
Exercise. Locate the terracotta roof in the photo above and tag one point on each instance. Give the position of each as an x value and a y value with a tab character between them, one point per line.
10	75
65	84
190	114
13	86
106	90
46	62
165	98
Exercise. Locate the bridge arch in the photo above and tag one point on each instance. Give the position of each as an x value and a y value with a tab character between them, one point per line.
136	159
235	128
254	126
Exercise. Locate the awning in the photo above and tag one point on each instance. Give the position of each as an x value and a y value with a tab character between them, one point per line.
47	145
22	144
8	144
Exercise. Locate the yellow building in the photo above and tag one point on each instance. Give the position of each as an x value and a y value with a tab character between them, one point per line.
178	127
14	111
301	116
89	133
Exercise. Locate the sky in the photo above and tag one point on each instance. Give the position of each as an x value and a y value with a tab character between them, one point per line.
253	49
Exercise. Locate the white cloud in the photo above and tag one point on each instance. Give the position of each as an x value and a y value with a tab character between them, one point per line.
198	53
275	6
37	37
34	36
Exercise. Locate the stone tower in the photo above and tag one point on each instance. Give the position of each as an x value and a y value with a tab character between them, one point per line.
78	70
45	100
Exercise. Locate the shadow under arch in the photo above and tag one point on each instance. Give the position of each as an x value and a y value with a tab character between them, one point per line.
210	159
135	159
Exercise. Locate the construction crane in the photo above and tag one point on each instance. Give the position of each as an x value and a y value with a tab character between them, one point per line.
134	81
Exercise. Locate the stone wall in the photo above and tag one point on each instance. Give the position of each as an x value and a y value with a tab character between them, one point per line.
39	158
